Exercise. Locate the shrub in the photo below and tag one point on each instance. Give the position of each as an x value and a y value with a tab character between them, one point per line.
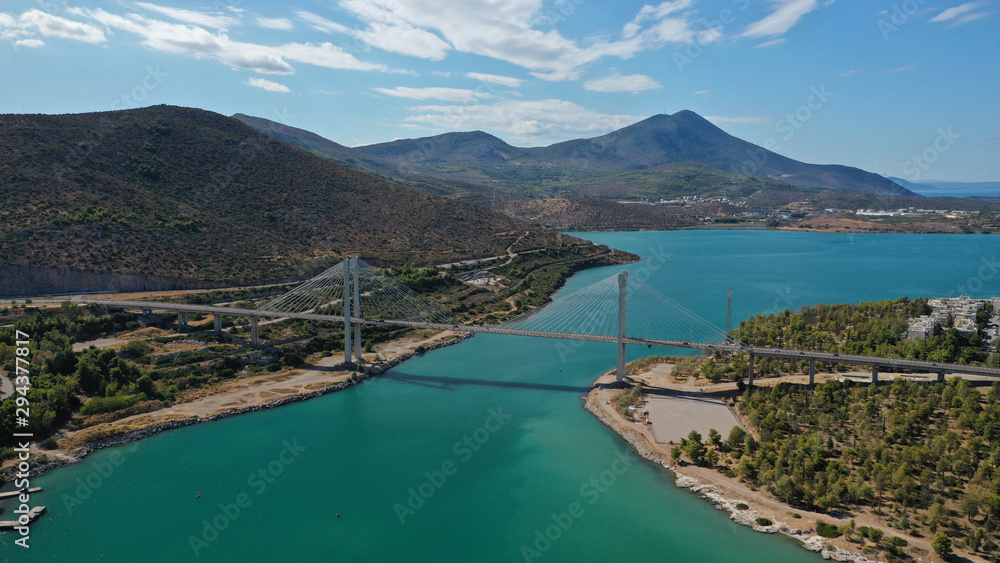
763	522
742	506
827	530
100	405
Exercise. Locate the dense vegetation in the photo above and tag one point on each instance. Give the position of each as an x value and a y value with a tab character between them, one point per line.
187	193
873	328
926	457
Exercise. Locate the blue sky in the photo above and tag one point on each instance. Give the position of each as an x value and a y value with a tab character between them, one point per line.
907	88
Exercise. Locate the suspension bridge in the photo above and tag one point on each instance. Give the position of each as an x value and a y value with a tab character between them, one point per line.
355	293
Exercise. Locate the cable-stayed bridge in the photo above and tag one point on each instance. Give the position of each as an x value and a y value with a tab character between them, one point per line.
355	293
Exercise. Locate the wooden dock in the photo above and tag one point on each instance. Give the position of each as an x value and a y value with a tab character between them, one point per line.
14	494
33	515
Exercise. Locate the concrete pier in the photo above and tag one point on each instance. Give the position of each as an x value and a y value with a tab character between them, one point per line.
14	494
218	324
812	373
875	373
182	319
33	515
750	378
254	332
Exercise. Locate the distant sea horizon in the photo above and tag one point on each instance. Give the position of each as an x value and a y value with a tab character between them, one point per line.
943	192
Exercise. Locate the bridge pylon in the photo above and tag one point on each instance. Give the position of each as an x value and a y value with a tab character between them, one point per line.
357	306
347	311
622	283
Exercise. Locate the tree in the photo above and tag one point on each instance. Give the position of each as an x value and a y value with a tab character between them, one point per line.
941	544
736	438
693	447
714	437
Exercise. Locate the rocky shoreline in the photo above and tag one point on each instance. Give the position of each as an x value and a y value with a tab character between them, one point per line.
744	517
367	372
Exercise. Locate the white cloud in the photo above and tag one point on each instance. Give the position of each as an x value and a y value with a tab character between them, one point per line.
509	31
703	93
214	21
849	73
445	94
267	85
531	122
961	14
508	81
771	43
29	43
54	26
618	83
320	23
283	24
743	119
786	14
201	43
952	13
405	40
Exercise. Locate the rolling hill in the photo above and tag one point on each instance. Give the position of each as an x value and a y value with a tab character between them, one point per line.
190	194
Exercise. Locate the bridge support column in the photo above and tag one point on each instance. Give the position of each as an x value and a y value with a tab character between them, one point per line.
812	373
875	374
750	377
182	319
147	312
940	377
347	311
254	332
356	308
218	324
622	283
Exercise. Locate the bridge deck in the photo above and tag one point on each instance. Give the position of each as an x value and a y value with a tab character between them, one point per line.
829	357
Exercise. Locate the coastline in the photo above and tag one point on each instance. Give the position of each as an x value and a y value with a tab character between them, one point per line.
367	372
715	492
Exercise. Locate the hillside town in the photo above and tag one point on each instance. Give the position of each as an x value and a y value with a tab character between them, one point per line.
962	313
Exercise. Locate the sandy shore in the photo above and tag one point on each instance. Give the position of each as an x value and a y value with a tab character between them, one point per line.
727	493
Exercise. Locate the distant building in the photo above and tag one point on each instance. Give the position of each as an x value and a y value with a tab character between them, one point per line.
949	312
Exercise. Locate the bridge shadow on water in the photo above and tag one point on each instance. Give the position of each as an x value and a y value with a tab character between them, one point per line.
449	383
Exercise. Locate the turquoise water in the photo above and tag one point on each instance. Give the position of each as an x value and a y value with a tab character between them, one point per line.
534	460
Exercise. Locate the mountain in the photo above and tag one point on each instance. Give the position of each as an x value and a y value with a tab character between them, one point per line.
186	193
655	145
313	143
473	147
